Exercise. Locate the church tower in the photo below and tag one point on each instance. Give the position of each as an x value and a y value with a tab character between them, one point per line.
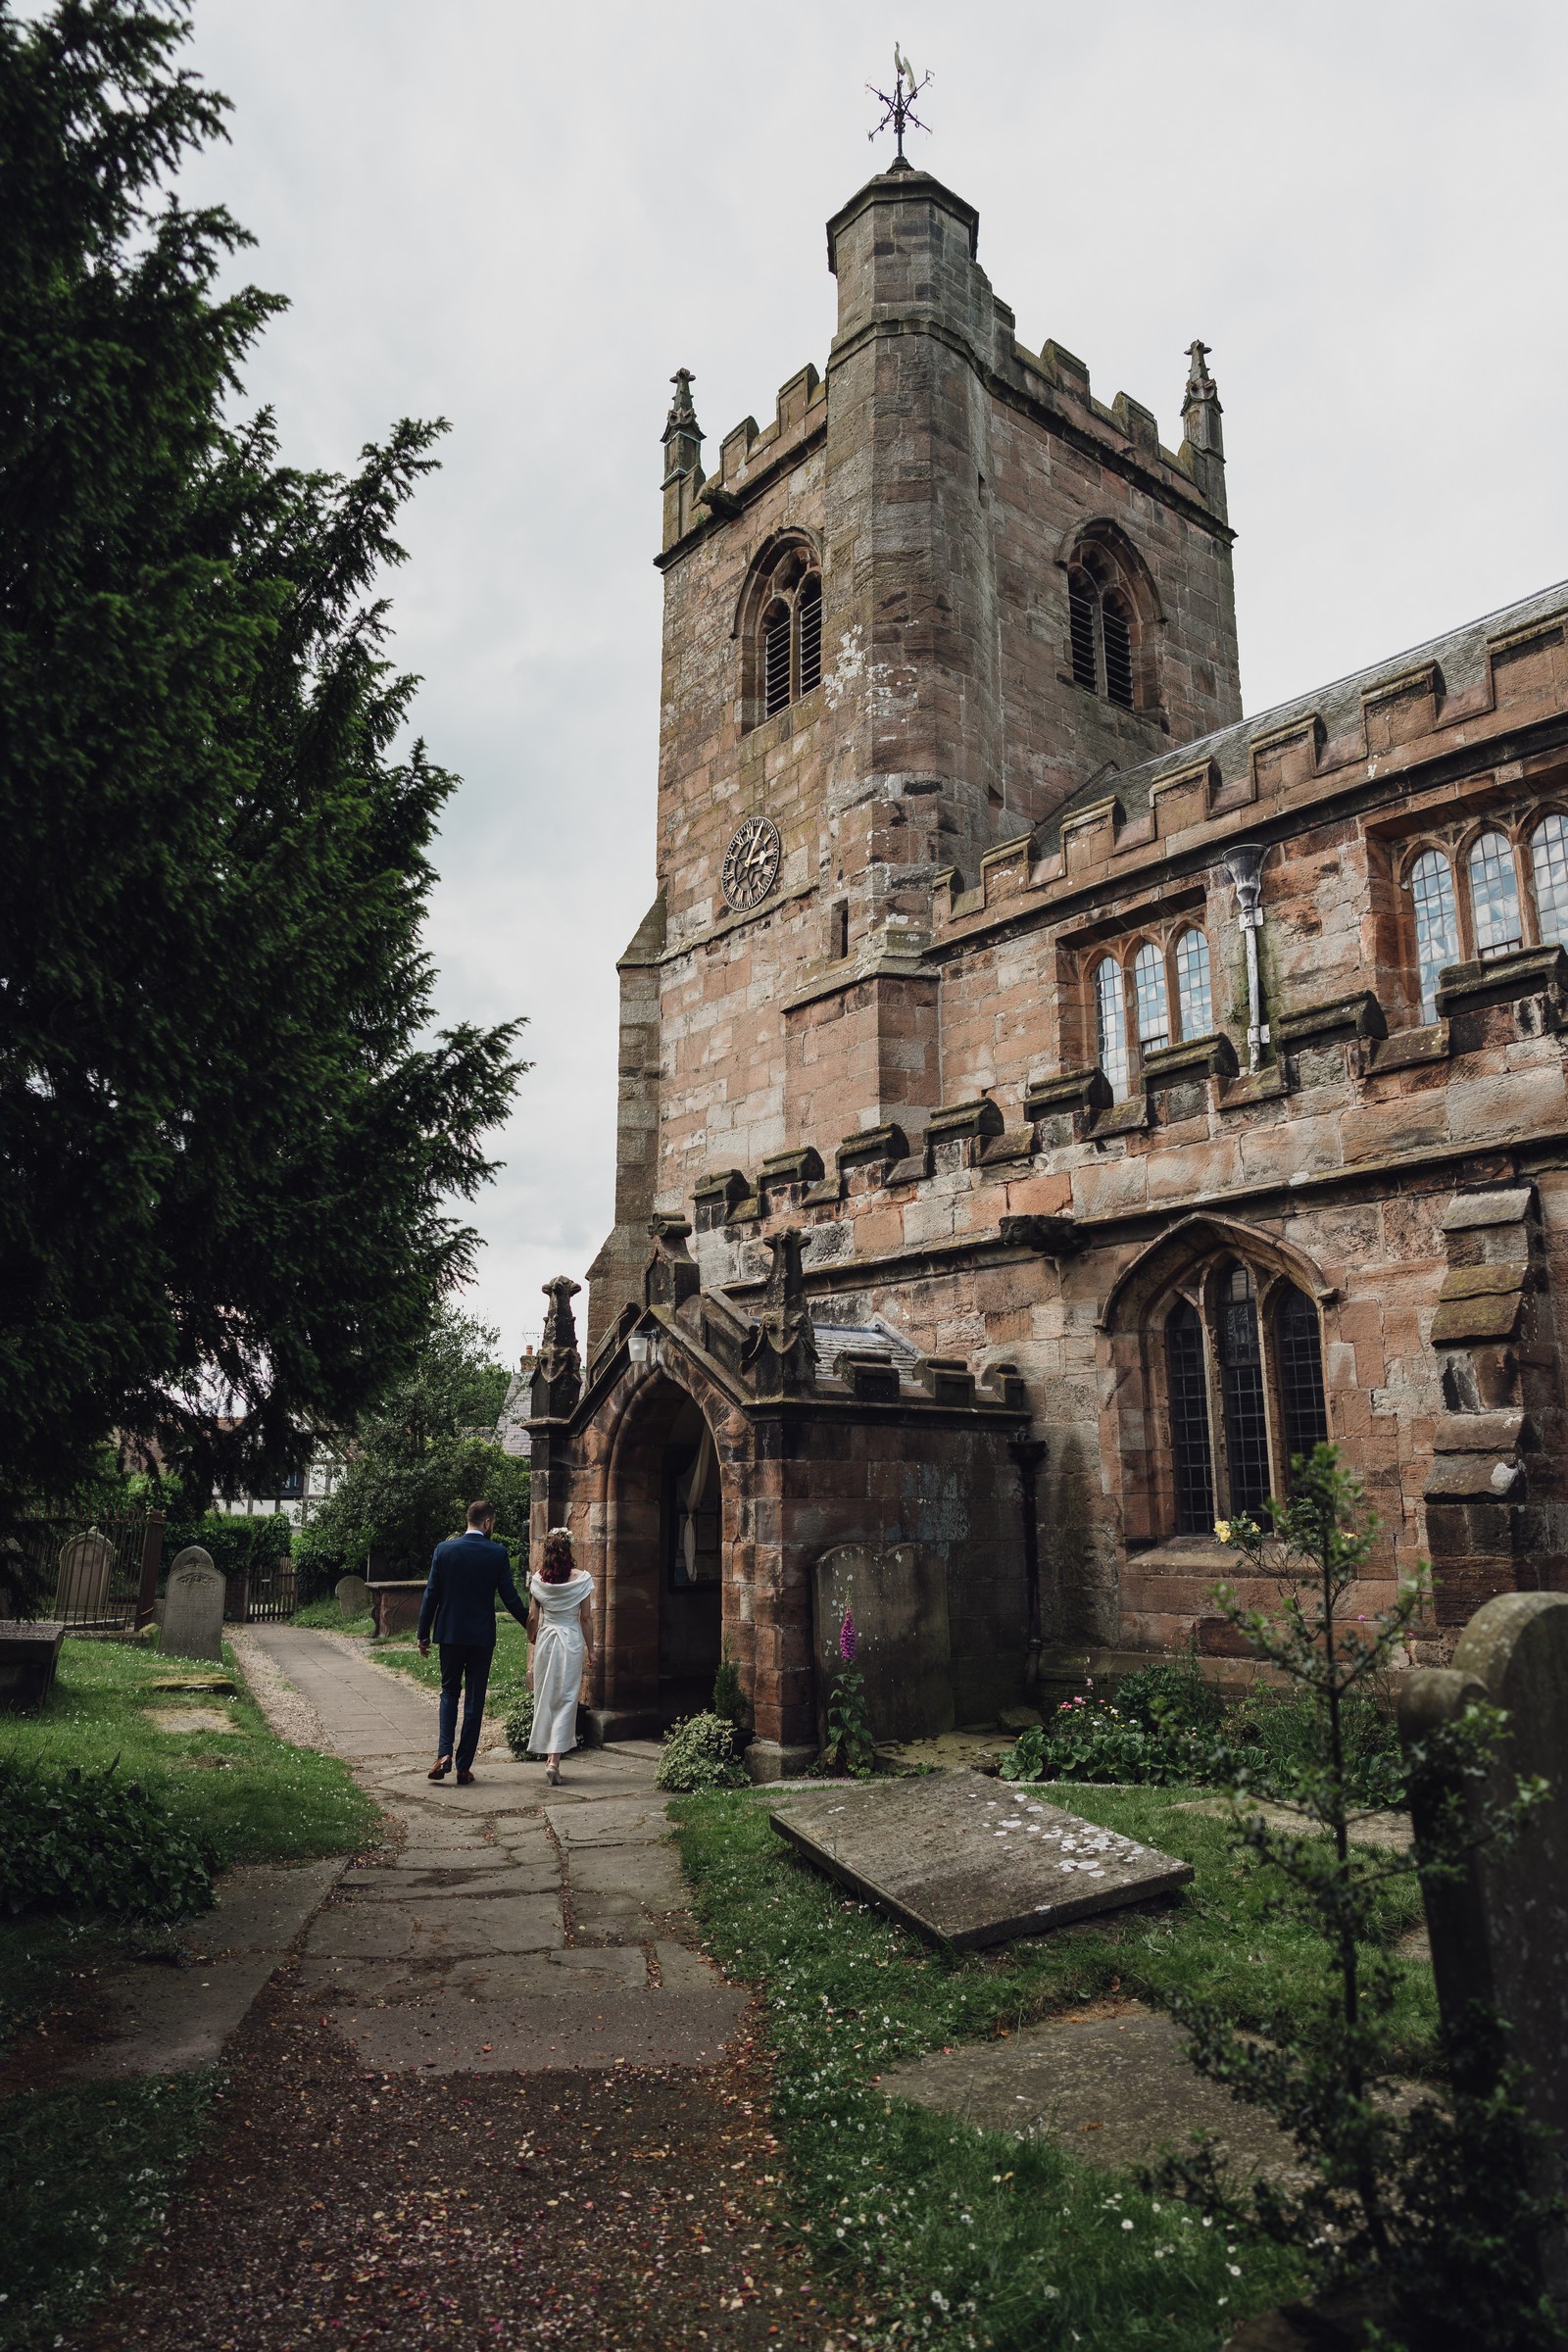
938	594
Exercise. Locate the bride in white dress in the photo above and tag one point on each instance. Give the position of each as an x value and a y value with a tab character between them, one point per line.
561	1647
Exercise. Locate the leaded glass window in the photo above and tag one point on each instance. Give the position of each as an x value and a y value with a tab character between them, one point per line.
1148	990
1437	925
1241	1356
1549	858
1494	895
1188	1420
1110	1025
1193	996
1300	1366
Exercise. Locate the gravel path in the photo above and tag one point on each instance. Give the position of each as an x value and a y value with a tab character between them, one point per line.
498	2095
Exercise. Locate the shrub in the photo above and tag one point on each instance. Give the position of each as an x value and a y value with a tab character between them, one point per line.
518	1724
79	1841
1086	1740
729	1701
699	1754
1427	2209
1171	1697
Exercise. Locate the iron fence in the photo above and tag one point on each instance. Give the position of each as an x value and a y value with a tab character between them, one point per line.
99	1577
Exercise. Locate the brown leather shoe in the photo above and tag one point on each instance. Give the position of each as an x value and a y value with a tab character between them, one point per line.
439	1770
465	1779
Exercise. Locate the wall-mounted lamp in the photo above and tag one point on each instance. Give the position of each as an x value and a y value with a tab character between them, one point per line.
638	1347
1245	863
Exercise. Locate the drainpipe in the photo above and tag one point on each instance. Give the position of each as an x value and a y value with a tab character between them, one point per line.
1245	863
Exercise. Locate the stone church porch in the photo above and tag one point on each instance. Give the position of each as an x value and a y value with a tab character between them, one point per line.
735	1483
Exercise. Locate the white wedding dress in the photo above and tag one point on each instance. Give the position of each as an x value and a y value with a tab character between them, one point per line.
557	1660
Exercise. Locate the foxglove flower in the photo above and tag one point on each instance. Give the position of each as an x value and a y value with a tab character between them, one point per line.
849	1640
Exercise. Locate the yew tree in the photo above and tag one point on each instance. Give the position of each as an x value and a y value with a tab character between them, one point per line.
231	1141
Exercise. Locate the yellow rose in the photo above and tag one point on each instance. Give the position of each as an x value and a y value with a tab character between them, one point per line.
1222	1529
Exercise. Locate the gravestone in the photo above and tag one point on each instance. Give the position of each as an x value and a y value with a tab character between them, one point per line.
193	1607
87	1563
352	1595
898	1595
30	1652
970	1860
1499	1931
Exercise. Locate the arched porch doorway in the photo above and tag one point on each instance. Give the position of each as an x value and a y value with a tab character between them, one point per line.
665	1557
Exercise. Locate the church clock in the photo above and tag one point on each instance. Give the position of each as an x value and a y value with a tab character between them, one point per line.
751	863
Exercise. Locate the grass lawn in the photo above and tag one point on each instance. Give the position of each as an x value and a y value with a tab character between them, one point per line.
509	1671
972	2238
254	1796
326	1617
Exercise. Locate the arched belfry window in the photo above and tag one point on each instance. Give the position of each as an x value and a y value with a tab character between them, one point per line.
1104	625
783	652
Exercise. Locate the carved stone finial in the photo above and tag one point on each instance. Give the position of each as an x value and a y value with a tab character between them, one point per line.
682	417
781	1352
557	1372
1200	383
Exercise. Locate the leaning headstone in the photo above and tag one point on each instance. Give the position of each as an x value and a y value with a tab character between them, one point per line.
970	1860
87	1563
352	1595
193	1607
1500	1933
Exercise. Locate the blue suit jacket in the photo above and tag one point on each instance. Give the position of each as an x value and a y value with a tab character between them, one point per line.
467	1575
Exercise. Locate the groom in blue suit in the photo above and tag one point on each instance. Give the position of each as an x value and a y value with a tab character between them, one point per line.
467	1575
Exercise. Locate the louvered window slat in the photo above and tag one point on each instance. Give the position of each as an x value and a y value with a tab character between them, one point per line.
1081	603
777	664
808	612
1118	656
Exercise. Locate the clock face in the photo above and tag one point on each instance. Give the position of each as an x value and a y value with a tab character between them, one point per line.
751	863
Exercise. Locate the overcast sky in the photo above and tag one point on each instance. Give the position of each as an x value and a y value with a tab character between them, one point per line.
524	218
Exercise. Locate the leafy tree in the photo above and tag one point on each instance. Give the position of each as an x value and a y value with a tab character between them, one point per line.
1420	2218
228	1140
422	1457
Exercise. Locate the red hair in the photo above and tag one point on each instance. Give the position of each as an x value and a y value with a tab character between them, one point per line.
556	1563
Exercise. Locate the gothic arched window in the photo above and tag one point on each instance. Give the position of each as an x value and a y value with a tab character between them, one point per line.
1110	1025
1549	859
1303	1407
1241	1357
1494	895
1195	1002
1154	1003
783	656
1437	925
1191	1450
1101	627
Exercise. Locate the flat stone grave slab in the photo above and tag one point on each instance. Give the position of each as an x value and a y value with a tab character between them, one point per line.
970	1861
1111	2088
180	1719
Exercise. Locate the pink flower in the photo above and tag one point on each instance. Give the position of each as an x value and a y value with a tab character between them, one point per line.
849	1640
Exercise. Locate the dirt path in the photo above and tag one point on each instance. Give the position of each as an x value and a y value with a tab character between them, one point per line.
494	2094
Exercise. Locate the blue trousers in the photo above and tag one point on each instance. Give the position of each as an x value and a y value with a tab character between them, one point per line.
464	1667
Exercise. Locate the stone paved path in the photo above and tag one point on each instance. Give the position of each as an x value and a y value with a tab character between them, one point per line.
495	2091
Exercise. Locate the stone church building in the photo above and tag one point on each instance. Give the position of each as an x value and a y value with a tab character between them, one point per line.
1047	1100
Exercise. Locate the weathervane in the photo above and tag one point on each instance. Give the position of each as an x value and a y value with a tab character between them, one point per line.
899	109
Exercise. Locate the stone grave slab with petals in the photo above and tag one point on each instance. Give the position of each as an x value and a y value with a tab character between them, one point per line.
970	1860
